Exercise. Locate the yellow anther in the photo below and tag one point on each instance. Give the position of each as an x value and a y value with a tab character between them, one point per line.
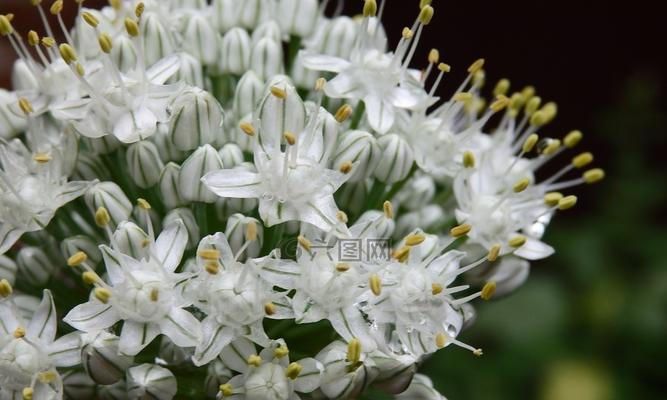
528	92
488	290
462	96
502	87
19	332
212	267
269	308
106	44
56	7
116	4
102	217
290	138
415	239
538	118
532	105
145	242
593	175
440	340
426	15
476	66
424	3
478	352
278	92
436	288
530	143
10	17
500	104
346	167
305	243
468	159
433	56
521	185
567	202
388	210
247	128
341	216
460	230
375	283
6	289
226	389
280	351
90	278
143	204
407	33
131	27
494	252
209	254
582	160
251	231
139	10
552	147
33	38
27	393
444	67
479	78
48	42
102	294
293	370
25	106
572	139
517	241
320	83
79	69
254	360
516	101
343	113
154	295
550	110
77	259
67	53
402	254
342	267
552	198
370	8
6	27
353	351
47	376
42	158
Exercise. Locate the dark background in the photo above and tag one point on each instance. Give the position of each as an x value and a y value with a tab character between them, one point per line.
591	322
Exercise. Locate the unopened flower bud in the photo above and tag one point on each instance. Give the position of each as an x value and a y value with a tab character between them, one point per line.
216	374
266	58
396	160
248	92
75	244
358	147
190	71
124	54
196	120
78	385
132	240
102	360
236	232
252	13
298	17
235	51
231	155
189	221
202	40
204	160
168	184
144	163
158	41
267	29
8	269
14	123
151	381
110	196
35	267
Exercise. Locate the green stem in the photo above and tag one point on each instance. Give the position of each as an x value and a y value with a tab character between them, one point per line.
292	51
201	215
400	184
358	113
375	195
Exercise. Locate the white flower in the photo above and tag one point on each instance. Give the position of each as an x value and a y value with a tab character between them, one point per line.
421	388
145	294
349	369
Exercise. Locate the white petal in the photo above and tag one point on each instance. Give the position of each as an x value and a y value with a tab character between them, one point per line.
181	327
321	213
8	236
66	351
9	318
380	113
164	69
236	183
534	249
135	336
235	354
310	376
92	316
342	86
275	212
115	262
43	325
276	116
322	62
281	273
71	109
403	98
214	338
170	245
350	324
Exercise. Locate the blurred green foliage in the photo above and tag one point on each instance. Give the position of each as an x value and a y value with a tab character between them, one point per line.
591	322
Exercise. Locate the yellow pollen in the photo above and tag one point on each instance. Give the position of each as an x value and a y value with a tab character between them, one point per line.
353	351
528	92
79	69
402	254
77	259
343	113
6	27
494	252
102	217
516	102
388	210
436	288
478	352
582	160
572	139
521	185
488	290
375	284
532	105
415	239
25	106
26	393
145	242
155	295
479	78
254	360
42	158
106	44
131	27
342	267
143	204
209	254
67	53
476	66
552	198
305	243
212	267
370	8
139	10
293	370
251	231
320	83
500	104
6	289
10	17
102	294
433	56
342	217
33	38
550	110
567	202
552	147
440	340
269	308
280	352
538	118
444	67
346	167
530	143
116	4
35	2
462	96
468	159
407	33
247	128
460	230
424	3
48	42
517	241
47	376
226	389
593	175
502	87
90	278
278	92
290	138
19	332
56	7
426	14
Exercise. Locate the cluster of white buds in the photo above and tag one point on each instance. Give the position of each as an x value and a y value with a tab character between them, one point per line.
311	219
